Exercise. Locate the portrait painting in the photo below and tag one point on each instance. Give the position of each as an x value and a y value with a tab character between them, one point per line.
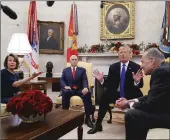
51	37
117	20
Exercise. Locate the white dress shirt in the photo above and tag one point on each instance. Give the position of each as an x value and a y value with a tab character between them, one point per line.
48	38
131	103
126	65
72	68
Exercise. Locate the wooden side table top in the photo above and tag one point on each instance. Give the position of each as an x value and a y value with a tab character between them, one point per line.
50	79
57	123
35	85
37	82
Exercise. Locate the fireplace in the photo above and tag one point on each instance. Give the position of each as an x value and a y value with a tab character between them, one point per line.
98	91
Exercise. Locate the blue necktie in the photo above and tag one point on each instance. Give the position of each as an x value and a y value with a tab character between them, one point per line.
122	81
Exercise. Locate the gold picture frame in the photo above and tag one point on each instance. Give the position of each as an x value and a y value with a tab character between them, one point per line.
117	20
51	37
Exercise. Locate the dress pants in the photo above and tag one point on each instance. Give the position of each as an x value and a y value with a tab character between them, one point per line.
138	123
106	99
67	94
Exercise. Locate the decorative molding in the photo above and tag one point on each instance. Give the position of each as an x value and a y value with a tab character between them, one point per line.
103	54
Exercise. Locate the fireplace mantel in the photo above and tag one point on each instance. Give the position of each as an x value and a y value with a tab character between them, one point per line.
85	56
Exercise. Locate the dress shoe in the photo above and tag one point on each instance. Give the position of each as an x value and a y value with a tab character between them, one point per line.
109	121
97	127
89	122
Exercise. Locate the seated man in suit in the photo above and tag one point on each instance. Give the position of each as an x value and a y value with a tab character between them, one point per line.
122	81
74	82
152	110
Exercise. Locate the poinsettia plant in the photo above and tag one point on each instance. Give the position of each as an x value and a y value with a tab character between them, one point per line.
135	49
151	45
114	46
32	102
96	48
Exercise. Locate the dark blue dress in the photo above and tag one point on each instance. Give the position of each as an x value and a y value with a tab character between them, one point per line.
7	90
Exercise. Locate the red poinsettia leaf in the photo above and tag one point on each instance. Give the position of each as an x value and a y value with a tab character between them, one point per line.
29	103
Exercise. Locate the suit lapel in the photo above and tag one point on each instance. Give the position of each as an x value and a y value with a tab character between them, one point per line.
70	71
119	69
77	71
129	69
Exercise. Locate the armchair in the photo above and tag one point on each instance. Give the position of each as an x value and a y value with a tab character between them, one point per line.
167	60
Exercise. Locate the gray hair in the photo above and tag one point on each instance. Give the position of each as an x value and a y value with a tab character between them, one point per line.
155	53
51	30
117	13
73	56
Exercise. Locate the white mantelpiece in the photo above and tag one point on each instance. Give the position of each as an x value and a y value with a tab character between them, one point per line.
104	58
102	61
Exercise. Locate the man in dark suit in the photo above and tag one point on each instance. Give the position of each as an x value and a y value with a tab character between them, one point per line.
122	81
74	82
49	42
152	110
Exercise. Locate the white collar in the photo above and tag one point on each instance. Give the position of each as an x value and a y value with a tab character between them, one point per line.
127	63
72	67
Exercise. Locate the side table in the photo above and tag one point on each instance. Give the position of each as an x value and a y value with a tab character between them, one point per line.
35	85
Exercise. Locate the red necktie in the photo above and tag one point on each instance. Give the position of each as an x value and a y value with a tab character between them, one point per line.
74	72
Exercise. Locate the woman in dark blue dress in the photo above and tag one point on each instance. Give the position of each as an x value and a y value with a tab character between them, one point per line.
10	82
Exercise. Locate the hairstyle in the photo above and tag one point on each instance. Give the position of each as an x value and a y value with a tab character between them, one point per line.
117	13
155	53
73	56
51	30
15	58
127	47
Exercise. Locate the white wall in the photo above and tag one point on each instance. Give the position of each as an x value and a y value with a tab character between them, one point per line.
148	20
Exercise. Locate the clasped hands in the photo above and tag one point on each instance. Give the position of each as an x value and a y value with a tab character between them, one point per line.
84	91
123	103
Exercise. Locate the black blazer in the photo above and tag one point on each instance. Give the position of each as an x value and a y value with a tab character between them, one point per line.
112	82
50	44
158	98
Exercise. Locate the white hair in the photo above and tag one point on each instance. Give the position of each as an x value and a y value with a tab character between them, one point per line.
73	56
155	53
51	30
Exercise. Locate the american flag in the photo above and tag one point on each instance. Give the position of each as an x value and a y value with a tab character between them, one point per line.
165	34
32	59
72	32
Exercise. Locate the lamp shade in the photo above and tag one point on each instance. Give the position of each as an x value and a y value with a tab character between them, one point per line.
19	44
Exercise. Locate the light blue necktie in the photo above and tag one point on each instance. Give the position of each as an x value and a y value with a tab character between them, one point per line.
122	81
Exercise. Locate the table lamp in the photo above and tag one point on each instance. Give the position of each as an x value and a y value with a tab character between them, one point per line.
19	45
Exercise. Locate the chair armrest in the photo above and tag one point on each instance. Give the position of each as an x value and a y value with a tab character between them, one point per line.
60	93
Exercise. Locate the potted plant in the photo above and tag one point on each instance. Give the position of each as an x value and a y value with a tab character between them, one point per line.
30	106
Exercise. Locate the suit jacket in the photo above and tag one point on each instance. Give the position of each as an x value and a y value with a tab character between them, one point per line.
80	80
158	98
113	80
50	44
